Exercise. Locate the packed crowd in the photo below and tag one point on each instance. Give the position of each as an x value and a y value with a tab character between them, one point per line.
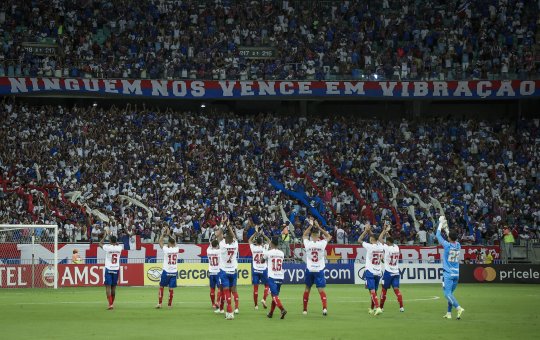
135	170
392	39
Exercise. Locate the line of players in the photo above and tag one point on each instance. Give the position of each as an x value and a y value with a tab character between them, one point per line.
267	268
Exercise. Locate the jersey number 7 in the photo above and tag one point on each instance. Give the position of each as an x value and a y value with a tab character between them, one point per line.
230	253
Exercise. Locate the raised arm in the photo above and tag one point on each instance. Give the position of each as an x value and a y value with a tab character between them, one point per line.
163	232
363	234
384	233
266	239
252	238
305	236
102	241
229	228
327	236
442	225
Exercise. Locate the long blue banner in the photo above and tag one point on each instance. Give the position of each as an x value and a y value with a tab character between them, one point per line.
231	89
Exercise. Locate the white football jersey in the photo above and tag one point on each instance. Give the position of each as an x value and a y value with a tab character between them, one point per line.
228	253
257	253
112	256
374	257
213	260
170	259
391	258
315	257
274	258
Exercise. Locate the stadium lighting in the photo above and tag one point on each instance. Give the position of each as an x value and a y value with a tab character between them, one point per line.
203	106
95	104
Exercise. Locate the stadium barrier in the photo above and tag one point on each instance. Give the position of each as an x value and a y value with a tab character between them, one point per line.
500	273
13	253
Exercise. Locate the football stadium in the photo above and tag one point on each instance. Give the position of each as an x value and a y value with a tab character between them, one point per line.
269	169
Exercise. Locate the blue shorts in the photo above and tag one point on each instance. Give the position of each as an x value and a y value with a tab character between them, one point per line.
315	277
214	280
275	286
372	281
259	276
168	279
390	279
227	280
111	277
450	284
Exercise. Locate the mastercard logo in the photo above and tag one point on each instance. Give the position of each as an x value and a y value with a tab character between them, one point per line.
482	274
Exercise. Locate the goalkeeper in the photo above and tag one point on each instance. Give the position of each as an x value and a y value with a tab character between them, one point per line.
450	261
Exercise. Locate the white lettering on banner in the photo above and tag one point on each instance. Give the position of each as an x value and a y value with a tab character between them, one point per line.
409	273
526	87
357	88
18	85
483	88
426	253
332	87
267	88
440	89
179	88
462	89
286	87
133	86
14	276
71	85
506	89
388	88
227	87
110	85
88	275
405	89
197	88
518	274
91	85
159	88
35	86
304	87
420	89
46	256
343	252
246	88
51	84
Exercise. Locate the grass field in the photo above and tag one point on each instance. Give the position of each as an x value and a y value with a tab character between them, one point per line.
492	312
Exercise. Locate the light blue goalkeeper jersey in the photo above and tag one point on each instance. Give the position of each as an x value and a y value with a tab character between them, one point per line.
450	257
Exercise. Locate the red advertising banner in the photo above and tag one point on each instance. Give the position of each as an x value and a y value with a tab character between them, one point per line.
20	276
87	275
69	275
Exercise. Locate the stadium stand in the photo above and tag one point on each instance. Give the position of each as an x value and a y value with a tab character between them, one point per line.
390	39
60	164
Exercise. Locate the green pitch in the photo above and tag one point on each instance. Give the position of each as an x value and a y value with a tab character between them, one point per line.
492	312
